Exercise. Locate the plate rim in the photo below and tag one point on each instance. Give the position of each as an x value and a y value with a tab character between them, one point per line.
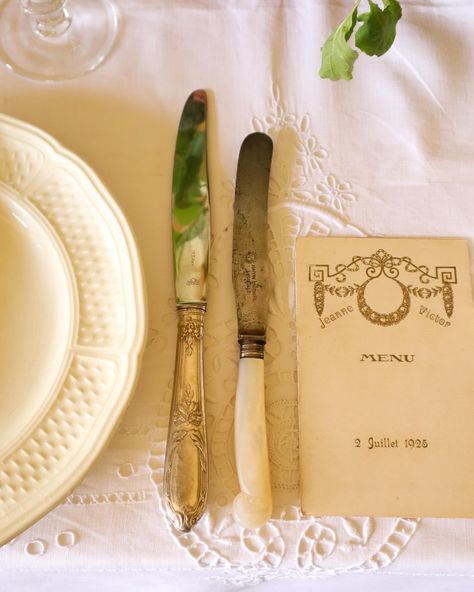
136	345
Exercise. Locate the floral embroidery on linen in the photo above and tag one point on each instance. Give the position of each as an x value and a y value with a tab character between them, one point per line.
308	180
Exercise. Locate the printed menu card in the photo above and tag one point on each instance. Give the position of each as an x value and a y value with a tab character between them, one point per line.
385	335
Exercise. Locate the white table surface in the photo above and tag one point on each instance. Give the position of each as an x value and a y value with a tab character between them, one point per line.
389	153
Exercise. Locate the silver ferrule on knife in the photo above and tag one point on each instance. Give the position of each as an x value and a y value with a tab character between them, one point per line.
185	481
252	347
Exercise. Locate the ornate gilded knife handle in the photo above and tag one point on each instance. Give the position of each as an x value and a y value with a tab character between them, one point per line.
186	463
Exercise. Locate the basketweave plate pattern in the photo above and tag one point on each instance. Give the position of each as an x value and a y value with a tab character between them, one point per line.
40	467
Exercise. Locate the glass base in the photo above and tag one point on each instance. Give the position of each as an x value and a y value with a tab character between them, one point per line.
85	44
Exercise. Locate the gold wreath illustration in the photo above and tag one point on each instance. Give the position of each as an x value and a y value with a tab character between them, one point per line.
382	318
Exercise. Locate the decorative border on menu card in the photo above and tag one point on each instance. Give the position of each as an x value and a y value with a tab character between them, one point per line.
368	269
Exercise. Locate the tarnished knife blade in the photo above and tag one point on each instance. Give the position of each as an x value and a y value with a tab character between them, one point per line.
253	505
249	252
186	464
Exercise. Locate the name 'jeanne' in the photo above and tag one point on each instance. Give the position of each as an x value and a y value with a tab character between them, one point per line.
335	316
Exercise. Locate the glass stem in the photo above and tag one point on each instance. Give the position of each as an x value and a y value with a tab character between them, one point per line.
51	17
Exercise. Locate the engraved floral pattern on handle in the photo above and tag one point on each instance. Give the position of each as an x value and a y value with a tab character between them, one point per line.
189	333
186	466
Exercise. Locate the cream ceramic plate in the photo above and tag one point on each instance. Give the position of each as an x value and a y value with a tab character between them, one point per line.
72	322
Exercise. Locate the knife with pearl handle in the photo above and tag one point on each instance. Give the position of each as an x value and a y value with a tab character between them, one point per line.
253	505
185	479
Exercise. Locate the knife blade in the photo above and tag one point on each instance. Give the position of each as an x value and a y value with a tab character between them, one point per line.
185	480
253	505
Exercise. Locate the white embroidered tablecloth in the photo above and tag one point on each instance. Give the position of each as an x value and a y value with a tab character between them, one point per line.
390	153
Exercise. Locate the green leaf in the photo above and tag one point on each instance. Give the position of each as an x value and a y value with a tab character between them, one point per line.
337	56
377	34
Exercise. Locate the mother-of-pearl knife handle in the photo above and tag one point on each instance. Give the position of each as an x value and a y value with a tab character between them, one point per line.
186	464
253	505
